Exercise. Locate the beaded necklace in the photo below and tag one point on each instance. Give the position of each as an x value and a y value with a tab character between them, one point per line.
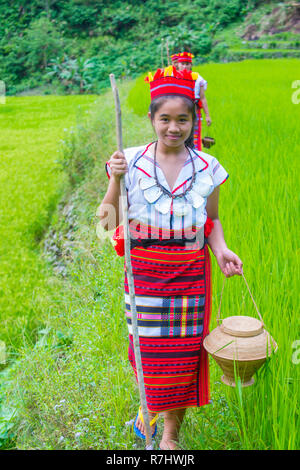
164	190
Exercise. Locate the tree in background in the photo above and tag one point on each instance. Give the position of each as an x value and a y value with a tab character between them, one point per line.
41	42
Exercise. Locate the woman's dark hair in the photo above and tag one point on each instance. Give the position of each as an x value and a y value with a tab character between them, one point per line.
158	102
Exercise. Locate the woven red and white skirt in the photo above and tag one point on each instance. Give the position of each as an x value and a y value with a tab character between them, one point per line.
197	130
173	302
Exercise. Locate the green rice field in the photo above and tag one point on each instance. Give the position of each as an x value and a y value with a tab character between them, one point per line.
31	183
75	388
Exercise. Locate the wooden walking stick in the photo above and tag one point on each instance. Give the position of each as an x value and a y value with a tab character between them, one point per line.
162	54
168	53
135	334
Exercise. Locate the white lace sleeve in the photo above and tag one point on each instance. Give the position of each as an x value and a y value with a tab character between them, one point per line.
199	83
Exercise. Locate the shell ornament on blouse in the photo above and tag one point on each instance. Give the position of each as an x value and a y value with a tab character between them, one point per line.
181	205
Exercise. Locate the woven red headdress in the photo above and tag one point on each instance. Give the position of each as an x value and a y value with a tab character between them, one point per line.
170	81
185	57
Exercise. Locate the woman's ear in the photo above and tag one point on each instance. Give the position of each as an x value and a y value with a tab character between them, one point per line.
149	115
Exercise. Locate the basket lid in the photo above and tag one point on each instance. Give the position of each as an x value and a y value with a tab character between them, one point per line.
242	326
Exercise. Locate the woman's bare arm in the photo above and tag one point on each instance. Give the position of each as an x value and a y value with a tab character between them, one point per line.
110	209
205	106
216	239
229	263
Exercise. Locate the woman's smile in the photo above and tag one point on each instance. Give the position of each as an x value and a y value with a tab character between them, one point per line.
173	137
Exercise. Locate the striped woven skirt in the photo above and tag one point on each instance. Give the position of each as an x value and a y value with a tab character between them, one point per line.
197	131
173	303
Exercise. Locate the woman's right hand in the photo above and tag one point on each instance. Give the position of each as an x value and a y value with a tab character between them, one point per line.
118	165
230	264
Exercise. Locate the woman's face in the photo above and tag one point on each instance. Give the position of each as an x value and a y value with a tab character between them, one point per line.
173	122
184	66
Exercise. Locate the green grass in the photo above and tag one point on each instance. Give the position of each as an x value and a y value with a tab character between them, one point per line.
75	388
272	44
266	50
263	53
31	183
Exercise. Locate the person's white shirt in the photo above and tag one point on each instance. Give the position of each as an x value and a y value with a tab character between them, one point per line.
199	83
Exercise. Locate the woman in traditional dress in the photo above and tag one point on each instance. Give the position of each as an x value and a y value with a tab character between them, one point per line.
173	194
184	62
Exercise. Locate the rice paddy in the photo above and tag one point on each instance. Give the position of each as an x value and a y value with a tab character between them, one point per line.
31	182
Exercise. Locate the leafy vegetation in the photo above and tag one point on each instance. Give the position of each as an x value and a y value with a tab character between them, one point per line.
71	46
72	72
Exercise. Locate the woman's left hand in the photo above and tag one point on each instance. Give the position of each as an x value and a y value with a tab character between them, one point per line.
208	120
230	264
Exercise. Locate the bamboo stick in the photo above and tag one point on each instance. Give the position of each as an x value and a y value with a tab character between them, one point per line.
168	53
136	342
162	53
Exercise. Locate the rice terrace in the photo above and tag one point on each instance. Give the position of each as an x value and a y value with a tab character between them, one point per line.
65	379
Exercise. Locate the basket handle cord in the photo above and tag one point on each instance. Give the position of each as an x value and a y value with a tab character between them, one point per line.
219	310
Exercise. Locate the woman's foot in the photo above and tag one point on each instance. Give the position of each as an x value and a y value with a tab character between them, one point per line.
141	426
172	424
168	444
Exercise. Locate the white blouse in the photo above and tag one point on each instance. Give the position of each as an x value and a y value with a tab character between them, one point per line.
199	82
149	206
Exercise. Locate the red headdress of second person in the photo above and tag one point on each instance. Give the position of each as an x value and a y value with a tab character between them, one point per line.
170	81
185	57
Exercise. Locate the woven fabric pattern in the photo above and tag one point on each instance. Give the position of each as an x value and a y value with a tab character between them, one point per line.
167	270
197	131
168	316
176	369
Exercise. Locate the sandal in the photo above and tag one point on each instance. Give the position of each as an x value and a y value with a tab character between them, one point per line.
137	431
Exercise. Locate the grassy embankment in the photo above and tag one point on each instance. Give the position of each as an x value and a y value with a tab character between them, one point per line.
267	24
76	391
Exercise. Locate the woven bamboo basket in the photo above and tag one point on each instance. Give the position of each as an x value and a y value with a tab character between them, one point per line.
207	142
240	345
